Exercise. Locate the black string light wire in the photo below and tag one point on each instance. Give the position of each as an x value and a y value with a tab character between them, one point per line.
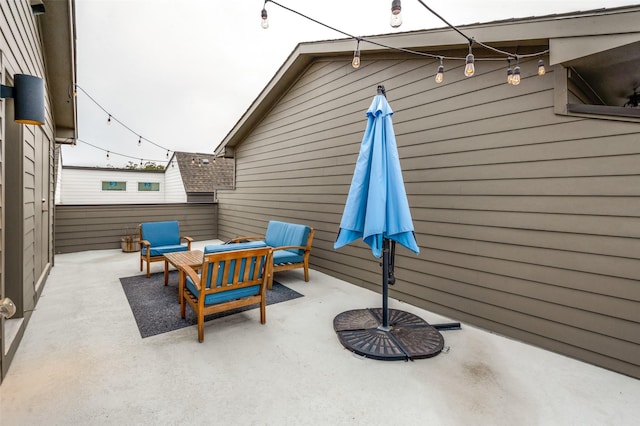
469	58
109	153
112	118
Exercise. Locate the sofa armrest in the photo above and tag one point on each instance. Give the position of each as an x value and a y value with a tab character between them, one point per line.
245	239
145	243
188	240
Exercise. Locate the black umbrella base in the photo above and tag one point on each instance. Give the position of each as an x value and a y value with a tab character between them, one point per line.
408	336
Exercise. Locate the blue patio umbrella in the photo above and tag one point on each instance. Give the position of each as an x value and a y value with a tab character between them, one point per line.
377	210
377	207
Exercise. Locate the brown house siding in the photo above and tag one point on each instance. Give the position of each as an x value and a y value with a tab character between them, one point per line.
99	227
528	221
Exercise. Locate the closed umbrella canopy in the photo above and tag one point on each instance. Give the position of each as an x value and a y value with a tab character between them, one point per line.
377	205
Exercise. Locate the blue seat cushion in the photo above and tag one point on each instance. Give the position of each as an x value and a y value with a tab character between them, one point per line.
286	256
281	234
217	248
159	251
161	233
225	296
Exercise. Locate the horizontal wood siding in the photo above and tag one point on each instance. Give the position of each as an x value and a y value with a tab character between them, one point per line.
93	227
528	221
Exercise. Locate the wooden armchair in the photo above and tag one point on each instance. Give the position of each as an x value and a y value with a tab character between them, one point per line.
158	238
229	279
291	245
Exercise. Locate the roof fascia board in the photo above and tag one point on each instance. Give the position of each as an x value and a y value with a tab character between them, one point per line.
570	48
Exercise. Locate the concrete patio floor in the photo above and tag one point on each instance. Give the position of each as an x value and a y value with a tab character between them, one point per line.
82	361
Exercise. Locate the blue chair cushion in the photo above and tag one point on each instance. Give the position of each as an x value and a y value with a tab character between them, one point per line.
225	296
161	233
217	248
286	234
286	256
159	251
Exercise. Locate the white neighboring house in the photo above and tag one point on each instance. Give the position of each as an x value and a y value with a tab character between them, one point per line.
189	178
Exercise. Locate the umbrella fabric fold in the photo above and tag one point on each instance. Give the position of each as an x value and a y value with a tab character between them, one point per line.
377	205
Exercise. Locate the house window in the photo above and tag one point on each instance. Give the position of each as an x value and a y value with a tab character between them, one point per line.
601	84
148	186
114	186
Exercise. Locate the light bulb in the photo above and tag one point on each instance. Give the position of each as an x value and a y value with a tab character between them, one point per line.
107	155
516	76
141	162
440	74
509	75
109	119
7	308
541	70
139	140
396	17
469	68
167	154
356	59
265	22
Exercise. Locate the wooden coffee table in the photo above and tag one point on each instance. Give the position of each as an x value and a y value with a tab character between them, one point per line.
192	258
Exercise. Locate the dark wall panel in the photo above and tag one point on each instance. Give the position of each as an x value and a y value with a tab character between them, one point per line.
97	227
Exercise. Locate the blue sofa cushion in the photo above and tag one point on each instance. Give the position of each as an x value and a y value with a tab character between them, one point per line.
286	234
286	256
159	251
161	233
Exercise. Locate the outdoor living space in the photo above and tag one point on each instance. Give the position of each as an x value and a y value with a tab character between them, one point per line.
82	361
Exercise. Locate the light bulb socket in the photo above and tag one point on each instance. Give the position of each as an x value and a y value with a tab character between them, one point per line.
470	59
264	14
396	7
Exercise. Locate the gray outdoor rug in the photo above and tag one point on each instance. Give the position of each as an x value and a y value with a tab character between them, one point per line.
156	308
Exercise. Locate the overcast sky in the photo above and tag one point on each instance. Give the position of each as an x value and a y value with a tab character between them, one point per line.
182	72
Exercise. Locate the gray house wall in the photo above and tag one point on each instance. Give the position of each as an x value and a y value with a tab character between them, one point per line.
528	221
27	157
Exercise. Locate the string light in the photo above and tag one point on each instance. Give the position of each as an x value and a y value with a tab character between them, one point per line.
167	154
139	140
541	70
396	17
113	118
509	72
107	155
516	73
265	22
469	68
396	7
110	153
440	73
356	56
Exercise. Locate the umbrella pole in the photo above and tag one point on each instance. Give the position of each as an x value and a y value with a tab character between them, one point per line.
385	284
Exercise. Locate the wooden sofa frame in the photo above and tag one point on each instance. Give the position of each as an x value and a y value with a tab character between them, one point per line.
284	266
